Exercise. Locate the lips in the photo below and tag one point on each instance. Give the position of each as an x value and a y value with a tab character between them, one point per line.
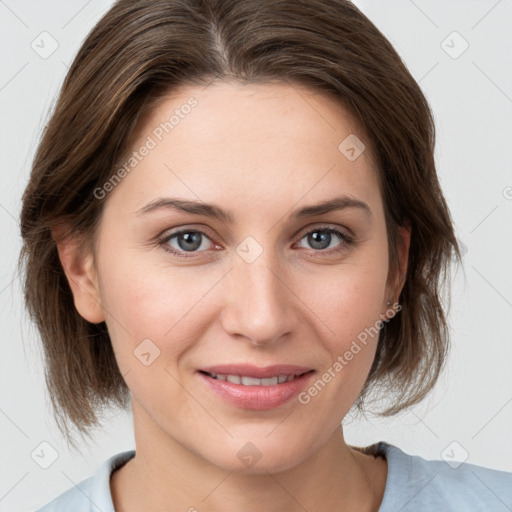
253	387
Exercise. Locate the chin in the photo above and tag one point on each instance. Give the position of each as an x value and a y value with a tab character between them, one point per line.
259	456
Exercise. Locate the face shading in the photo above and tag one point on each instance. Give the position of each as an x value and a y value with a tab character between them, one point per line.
246	247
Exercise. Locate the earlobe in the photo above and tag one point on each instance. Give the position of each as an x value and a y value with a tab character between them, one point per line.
80	270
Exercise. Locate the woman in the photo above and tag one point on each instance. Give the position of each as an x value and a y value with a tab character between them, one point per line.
234	224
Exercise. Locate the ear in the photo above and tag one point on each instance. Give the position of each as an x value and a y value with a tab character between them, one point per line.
79	267
404	241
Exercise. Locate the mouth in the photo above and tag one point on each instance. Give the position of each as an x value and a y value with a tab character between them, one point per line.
253	387
246	380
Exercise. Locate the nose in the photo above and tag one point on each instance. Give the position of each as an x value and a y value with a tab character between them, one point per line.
260	305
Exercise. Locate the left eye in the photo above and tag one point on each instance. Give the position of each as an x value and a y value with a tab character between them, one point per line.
320	239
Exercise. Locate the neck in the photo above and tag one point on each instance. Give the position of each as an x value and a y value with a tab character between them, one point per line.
334	477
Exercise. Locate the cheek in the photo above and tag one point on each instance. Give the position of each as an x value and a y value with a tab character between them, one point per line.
350	298
349	303
154	317
144	298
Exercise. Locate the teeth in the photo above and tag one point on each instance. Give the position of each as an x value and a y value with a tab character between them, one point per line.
251	381
235	379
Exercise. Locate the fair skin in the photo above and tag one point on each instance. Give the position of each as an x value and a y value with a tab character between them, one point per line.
261	152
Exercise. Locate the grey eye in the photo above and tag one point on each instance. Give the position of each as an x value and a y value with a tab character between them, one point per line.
321	239
188	241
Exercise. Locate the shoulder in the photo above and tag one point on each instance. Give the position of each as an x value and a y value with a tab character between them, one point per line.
92	494
414	483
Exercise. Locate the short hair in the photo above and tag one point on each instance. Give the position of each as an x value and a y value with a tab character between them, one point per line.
143	49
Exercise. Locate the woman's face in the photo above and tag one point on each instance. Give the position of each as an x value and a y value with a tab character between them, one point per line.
255	279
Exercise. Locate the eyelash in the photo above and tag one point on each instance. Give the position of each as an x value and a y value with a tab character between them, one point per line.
345	240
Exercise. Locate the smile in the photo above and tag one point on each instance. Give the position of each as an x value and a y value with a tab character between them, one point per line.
252	381
249	387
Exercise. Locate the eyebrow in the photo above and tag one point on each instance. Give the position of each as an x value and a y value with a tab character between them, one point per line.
211	210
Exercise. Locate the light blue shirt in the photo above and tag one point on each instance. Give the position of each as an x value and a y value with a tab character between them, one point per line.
413	485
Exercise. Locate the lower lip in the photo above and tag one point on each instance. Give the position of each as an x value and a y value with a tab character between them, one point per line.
256	397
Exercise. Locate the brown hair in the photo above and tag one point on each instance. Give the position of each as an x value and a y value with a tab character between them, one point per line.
141	50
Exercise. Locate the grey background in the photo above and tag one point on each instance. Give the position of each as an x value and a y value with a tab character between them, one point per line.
469	414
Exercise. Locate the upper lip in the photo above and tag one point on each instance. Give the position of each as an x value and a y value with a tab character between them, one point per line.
256	372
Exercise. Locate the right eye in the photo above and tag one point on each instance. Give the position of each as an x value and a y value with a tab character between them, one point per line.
184	241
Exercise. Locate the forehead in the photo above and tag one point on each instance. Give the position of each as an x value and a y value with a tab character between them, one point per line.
247	142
